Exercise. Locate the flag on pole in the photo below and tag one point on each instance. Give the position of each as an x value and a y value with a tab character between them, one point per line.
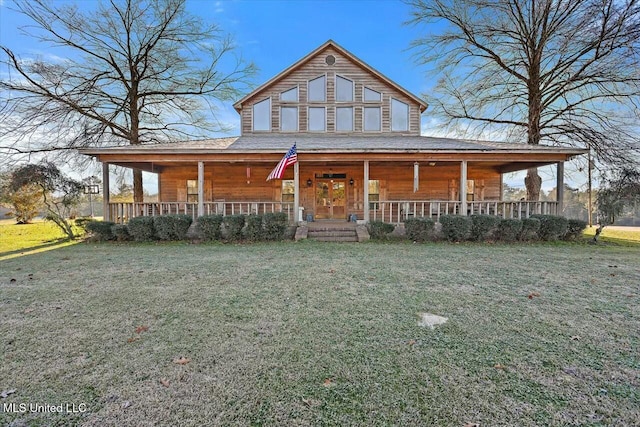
290	158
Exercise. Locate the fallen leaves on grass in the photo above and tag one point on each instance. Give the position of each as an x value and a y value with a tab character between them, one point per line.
431	320
133	339
164	382
6	393
125	404
12	281
500	367
411	342
575	338
181	360
328	382
532	295
141	328
311	403
471	425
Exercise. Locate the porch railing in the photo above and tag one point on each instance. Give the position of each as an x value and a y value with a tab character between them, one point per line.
123	212
396	211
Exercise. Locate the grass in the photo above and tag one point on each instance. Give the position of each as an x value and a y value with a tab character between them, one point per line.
323	334
618	235
20	239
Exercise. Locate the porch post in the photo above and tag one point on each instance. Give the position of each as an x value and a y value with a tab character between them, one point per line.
366	192
560	187
463	187
106	215
200	189
296	192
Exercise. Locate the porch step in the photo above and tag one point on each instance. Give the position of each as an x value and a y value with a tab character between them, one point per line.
333	234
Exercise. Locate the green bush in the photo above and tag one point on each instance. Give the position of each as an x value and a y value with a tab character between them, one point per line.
379	230
254	230
163	225
141	228
100	230
419	229
233	225
575	227
530	228
120	232
483	226
181	224
509	230
456	228
275	225
552	227
210	227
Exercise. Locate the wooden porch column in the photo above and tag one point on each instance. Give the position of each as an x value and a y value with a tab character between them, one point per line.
463	187
560	187
200	189
366	192
105	192
296	192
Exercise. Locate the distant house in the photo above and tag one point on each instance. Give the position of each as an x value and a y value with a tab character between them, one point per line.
360	155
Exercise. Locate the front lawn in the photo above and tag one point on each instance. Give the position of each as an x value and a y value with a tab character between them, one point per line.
323	334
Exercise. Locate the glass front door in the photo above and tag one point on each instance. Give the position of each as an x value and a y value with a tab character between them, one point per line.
330	199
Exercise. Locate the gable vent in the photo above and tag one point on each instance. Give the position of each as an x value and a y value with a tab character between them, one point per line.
330	60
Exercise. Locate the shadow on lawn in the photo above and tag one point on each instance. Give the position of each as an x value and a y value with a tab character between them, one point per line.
47	246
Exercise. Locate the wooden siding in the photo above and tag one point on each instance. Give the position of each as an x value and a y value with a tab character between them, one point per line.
228	182
343	67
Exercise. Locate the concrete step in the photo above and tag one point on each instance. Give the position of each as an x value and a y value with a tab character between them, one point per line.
335	238
331	233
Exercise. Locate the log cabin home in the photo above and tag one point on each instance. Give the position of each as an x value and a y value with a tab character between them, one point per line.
361	156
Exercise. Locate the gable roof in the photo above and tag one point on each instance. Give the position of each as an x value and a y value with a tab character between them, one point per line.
346	53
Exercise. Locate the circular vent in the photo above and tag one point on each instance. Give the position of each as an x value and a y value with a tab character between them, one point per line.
330	60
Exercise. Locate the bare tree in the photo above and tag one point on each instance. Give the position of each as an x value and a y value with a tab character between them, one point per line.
135	72
557	71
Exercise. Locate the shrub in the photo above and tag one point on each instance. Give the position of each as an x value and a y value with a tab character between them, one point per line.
100	230
141	228
530	228
275	225
379	230
509	230
210	227
181	224
456	228
163	225
483	226
120	232
254	230
419	229
552	227
233	225
575	227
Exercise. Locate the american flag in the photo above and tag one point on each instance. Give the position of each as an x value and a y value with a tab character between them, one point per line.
290	158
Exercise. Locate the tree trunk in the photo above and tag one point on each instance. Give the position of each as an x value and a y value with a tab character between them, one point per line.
138	191
533	183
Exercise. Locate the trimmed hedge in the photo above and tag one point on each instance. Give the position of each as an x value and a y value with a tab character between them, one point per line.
210	227
233	225
509	230
483	226
100	230
456	228
163	225
419	229
141	228
530	227
552	227
275	225
575	227
120	232
181	224
378	230
254	231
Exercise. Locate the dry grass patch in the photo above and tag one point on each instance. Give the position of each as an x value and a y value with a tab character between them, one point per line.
316	333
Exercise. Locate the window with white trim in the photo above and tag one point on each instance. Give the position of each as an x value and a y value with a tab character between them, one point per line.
372	119
317	89
288	190
344	89
262	115
290	95
371	95
192	190
399	116
344	119
288	118
317	119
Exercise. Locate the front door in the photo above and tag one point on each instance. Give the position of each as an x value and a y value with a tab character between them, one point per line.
330	199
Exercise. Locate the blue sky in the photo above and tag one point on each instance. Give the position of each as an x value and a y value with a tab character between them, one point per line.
275	34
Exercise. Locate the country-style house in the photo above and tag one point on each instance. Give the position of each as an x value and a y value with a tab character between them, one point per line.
360	155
